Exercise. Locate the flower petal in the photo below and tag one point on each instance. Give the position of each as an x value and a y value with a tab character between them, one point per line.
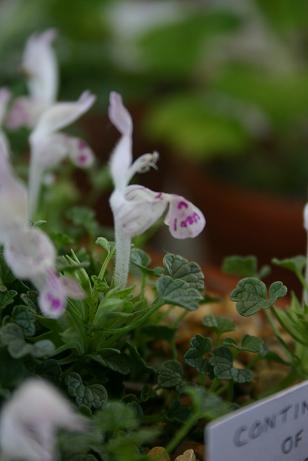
24	112
184	219
119	115
122	157
80	153
51	150
61	114
40	65
29	253
13	197
72	288
139	210
53	296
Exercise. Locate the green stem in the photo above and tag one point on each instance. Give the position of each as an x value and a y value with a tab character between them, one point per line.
105	265
123	244
184	430
278	336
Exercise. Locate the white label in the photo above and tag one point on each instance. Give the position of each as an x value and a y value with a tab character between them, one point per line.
274	429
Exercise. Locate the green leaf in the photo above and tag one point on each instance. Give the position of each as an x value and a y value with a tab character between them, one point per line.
254	344
219	323
113	359
25	318
295	264
178	292
92	396
195	355
43	348
250	295
116	416
85	218
241	266
6	298
19	348
277	290
10	332
30	299
140	258
180	268
221	362
170	374
104	243
241	375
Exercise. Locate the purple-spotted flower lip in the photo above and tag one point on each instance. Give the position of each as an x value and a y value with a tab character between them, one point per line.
54	291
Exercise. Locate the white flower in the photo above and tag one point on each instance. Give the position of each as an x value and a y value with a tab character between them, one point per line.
41	112
40	66
49	147
28	251
136	208
30	420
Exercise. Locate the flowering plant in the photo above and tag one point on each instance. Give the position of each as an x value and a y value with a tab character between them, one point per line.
120	337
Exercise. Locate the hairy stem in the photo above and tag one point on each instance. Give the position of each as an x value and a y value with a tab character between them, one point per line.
122	244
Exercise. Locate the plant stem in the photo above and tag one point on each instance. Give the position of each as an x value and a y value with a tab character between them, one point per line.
122	244
187	426
278	336
34	186
105	265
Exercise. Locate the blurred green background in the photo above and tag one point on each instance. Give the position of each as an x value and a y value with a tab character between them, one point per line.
220	80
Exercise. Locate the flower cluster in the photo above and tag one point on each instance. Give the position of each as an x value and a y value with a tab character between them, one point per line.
28	251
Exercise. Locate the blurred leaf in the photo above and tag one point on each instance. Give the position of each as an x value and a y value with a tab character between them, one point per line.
191	127
7	298
242	266
254	344
221	362
195	355
241	375
295	264
175	49
93	396
170	374
219	323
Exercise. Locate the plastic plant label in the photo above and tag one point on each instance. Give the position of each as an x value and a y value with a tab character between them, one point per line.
273	429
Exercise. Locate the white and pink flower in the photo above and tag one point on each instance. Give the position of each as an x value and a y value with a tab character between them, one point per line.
41	112
30	420
136	208
28	251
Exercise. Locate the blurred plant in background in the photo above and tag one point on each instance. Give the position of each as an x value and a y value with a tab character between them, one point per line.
220	87
218	79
